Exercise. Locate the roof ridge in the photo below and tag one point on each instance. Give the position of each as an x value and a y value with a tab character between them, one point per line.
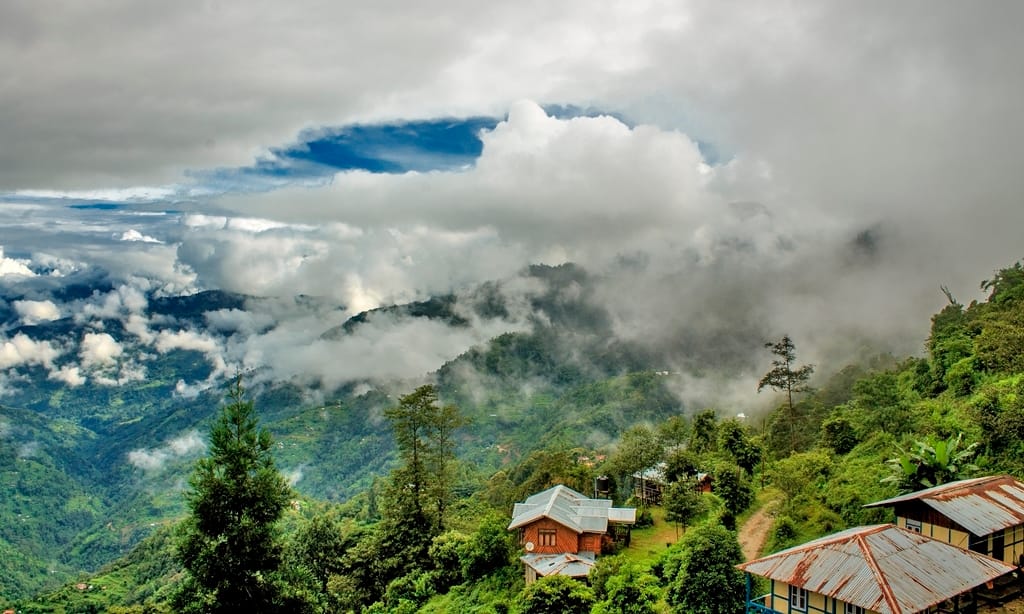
869	558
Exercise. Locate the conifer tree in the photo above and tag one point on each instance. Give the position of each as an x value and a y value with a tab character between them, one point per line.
230	544
784	376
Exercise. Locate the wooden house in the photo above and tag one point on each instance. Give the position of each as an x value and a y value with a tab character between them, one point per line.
880	569
985	515
563	531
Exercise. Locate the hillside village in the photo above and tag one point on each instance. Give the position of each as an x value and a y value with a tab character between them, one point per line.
889	488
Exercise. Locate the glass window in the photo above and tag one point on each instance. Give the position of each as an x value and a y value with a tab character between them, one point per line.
854	609
797	598
914	525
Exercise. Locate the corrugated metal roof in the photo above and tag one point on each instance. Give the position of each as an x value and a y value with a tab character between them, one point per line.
570	509
882	568
565	564
980	505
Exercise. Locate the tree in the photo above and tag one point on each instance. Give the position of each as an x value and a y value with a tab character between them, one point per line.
638	451
733	488
683	503
424	434
230	544
630	591
700	572
704	434
783	377
556	595
734	439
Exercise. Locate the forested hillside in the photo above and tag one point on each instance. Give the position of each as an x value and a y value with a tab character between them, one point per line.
531	413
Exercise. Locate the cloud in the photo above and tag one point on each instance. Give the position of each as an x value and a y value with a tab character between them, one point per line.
12	266
69	374
33	312
135	235
151	460
99	350
23	350
191	340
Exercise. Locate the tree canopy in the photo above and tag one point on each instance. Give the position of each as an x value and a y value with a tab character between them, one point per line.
229	544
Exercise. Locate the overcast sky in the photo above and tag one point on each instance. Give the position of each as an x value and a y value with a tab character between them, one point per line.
820	168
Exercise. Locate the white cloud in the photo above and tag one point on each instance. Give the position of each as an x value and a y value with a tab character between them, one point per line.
185	445
34	312
191	340
135	235
69	374
99	350
13	266
23	350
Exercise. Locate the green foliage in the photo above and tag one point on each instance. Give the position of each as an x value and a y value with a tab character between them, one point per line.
1007	286
229	544
733	487
682	463
704	432
629	591
638	451
700	572
734	440
783	376
424	432
931	462
682	503
839	434
556	595
801	471
490	548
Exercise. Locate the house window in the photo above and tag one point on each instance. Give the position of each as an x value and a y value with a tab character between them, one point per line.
914	525
854	609
547	537
797	598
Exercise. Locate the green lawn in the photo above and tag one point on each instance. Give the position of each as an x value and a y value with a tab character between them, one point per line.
649	542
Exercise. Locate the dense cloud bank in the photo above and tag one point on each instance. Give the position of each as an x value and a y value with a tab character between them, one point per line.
812	170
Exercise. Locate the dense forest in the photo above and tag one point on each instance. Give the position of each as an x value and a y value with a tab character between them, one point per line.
426	532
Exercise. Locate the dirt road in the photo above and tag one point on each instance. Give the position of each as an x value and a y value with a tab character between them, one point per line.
754	532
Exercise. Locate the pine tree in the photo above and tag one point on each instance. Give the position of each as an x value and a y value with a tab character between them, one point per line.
423	432
230	544
783	377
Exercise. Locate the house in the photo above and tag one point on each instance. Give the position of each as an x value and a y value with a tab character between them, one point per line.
702	483
985	515
649	484
563	531
879	569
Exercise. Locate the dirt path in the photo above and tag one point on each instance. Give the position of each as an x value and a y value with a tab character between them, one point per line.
754	532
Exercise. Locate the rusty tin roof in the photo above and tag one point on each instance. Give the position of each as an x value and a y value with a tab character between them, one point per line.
980	505
882	568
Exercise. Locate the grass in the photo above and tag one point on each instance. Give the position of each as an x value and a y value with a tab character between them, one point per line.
648	543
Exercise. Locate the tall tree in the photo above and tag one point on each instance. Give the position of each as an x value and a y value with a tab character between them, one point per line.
424	434
230	544
784	376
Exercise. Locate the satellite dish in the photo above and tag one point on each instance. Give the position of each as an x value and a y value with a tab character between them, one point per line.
529	546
